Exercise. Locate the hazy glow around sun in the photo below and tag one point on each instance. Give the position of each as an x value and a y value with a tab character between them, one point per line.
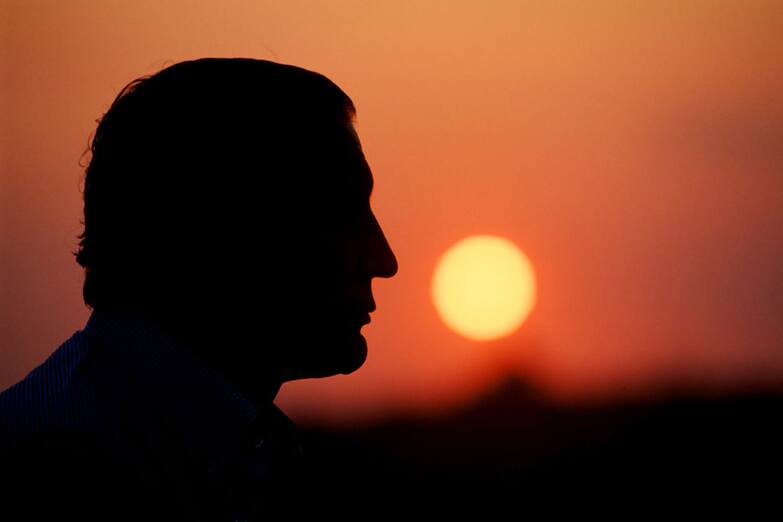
483	287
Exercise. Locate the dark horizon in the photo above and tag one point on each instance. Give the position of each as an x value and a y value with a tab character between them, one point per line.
512	434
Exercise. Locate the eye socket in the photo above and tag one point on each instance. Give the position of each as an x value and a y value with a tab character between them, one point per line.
354	217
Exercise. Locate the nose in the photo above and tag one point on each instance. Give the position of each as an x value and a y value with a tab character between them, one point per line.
381	258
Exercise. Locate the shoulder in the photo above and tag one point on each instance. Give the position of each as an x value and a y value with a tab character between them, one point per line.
56	395
69	444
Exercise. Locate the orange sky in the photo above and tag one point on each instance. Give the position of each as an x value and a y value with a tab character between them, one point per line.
632	151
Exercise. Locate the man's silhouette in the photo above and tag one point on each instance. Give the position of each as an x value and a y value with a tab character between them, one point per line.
228	247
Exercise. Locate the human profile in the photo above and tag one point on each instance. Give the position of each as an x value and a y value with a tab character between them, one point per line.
229	246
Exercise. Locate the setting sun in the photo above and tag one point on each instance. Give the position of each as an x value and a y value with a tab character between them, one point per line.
483	287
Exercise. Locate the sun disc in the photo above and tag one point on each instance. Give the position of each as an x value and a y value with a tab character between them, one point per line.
483	287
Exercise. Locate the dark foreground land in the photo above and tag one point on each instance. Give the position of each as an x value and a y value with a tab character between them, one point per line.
512	439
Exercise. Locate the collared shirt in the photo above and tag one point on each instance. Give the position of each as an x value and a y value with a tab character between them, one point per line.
123	375
209	410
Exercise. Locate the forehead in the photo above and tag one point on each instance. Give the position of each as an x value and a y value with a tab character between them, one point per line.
316	178
319	167
352	132
357	170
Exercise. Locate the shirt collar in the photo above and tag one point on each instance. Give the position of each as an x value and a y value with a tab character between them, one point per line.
211	414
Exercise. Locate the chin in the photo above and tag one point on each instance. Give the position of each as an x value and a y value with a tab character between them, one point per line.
344	357
359	356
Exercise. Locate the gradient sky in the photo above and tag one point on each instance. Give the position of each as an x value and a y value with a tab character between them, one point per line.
632	150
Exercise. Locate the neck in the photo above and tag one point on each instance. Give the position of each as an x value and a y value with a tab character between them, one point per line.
259	389
236	363
230	355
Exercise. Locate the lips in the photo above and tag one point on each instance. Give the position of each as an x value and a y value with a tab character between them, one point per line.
357	314
357	321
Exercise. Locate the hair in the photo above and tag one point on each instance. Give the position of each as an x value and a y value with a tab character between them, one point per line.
185	156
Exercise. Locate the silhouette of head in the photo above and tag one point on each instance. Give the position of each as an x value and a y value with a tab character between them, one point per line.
228	199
